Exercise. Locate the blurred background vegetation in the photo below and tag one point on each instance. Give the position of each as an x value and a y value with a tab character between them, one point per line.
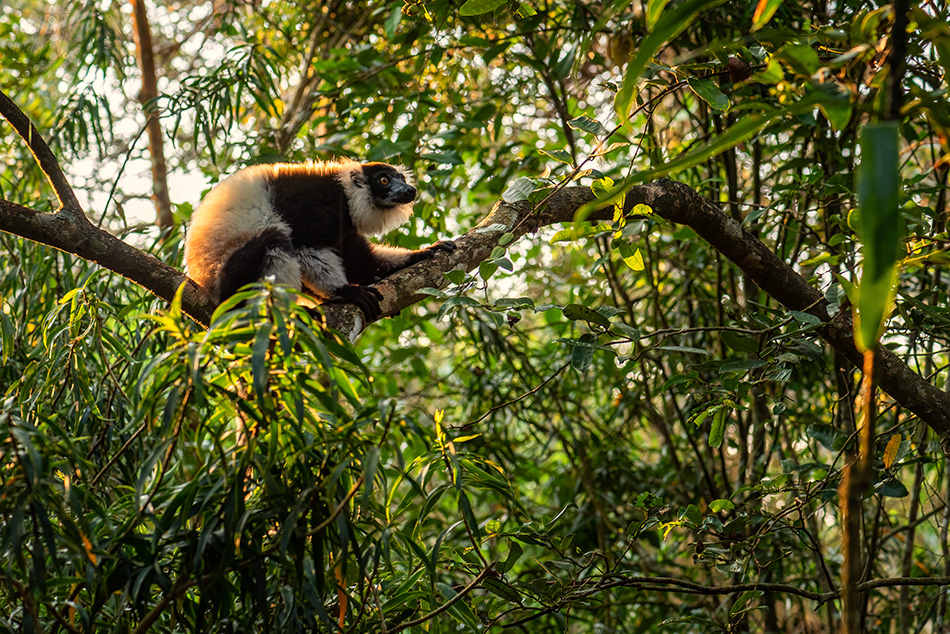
666	463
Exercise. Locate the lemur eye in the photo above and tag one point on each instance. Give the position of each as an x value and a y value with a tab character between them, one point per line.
383	180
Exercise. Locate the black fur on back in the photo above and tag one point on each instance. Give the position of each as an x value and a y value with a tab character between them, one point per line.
314	205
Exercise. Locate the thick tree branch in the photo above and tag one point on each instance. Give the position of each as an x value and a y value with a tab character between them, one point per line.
91	243
69	230
676	202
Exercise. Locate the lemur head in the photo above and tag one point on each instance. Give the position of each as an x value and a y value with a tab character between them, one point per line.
379	196
388	185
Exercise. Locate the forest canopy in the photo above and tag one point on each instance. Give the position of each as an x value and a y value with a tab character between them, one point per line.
685	372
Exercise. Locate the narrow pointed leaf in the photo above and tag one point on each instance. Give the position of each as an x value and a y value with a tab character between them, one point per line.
880	223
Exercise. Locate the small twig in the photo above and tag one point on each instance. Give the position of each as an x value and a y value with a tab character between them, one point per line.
445	606
118	454
336	511
662	584
495	408
178	588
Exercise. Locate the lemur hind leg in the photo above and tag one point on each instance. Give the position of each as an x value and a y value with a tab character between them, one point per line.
268	254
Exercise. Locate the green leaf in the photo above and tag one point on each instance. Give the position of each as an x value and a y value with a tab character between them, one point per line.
721	505
486	270
563	66
450	304
744	598
578	312
259	360
838	112
654	10
708	91
718	429
629	331
880	229
631	256
805	319
466	508
478	7
582	356
562	156
514	554
392	22
692	514
578	231
739	342
455	276
502	590
6	349
525	10
771	74
892	488
764	11
602	187
803	59
670	24
587	124
370	462
519	190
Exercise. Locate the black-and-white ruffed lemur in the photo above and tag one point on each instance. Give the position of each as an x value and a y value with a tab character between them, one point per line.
304	224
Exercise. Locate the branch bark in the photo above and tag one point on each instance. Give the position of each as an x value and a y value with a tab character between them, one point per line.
677	203
70	231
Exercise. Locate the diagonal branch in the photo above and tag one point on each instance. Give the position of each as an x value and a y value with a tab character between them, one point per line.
677	203
68	202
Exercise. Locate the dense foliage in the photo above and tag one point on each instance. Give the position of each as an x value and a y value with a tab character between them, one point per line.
604	428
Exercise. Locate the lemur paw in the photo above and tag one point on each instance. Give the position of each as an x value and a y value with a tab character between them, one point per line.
443	245
366	299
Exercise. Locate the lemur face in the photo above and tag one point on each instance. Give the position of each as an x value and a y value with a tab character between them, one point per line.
388	185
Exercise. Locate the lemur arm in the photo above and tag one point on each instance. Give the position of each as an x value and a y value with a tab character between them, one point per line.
391	259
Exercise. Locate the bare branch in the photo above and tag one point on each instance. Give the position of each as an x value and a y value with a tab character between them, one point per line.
142	36
103	248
